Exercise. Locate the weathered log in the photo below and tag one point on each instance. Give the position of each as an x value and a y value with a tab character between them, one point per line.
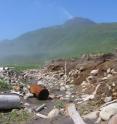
71	109
9	102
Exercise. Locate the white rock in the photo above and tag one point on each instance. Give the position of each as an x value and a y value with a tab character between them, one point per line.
29	110
28	95
52	96
113	71
104	78
108	99
65	98
83	90
109	76
62	88
113	84
83	86
71	85
67	87
6	68
1	69
81	68
62	84
90	77
72	96
107	111
109	70
26	104
53	113
68	93
84	83
40	83
68	96
94	72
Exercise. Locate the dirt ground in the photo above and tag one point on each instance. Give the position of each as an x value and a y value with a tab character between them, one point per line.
59	120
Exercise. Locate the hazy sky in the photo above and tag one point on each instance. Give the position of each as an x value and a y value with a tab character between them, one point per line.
19	16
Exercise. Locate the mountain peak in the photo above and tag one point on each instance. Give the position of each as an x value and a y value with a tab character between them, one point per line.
79	20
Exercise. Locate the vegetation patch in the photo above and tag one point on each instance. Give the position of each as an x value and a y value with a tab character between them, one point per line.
4	85
15	117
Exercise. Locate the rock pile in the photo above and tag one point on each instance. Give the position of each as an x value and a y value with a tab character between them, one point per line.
76	80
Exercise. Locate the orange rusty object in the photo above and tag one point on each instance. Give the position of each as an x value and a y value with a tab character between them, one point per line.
39	91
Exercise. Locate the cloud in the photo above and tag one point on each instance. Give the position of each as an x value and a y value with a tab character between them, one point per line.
66	13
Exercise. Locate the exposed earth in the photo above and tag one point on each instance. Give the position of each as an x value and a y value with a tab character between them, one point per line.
88	82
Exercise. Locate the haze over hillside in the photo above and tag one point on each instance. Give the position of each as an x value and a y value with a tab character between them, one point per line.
71	39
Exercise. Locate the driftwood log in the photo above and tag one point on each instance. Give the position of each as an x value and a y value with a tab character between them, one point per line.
74	114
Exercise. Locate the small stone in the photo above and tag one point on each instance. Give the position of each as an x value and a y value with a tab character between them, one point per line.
65	98
108	99
113	71
71	85
52	96
26	104
72	96
109	70
53	113
62	89
68	93
29	110
104	78
109	76
28	95
83	86
113	84
94	72
62	84
81	68
84	83
67	87
68	96
40	83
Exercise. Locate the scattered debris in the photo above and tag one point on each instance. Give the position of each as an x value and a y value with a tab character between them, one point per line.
38	109
41	116
51	115
89	82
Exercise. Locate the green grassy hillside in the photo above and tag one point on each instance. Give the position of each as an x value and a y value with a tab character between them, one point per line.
75	37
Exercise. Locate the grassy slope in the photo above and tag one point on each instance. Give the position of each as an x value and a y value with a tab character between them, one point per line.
67	40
